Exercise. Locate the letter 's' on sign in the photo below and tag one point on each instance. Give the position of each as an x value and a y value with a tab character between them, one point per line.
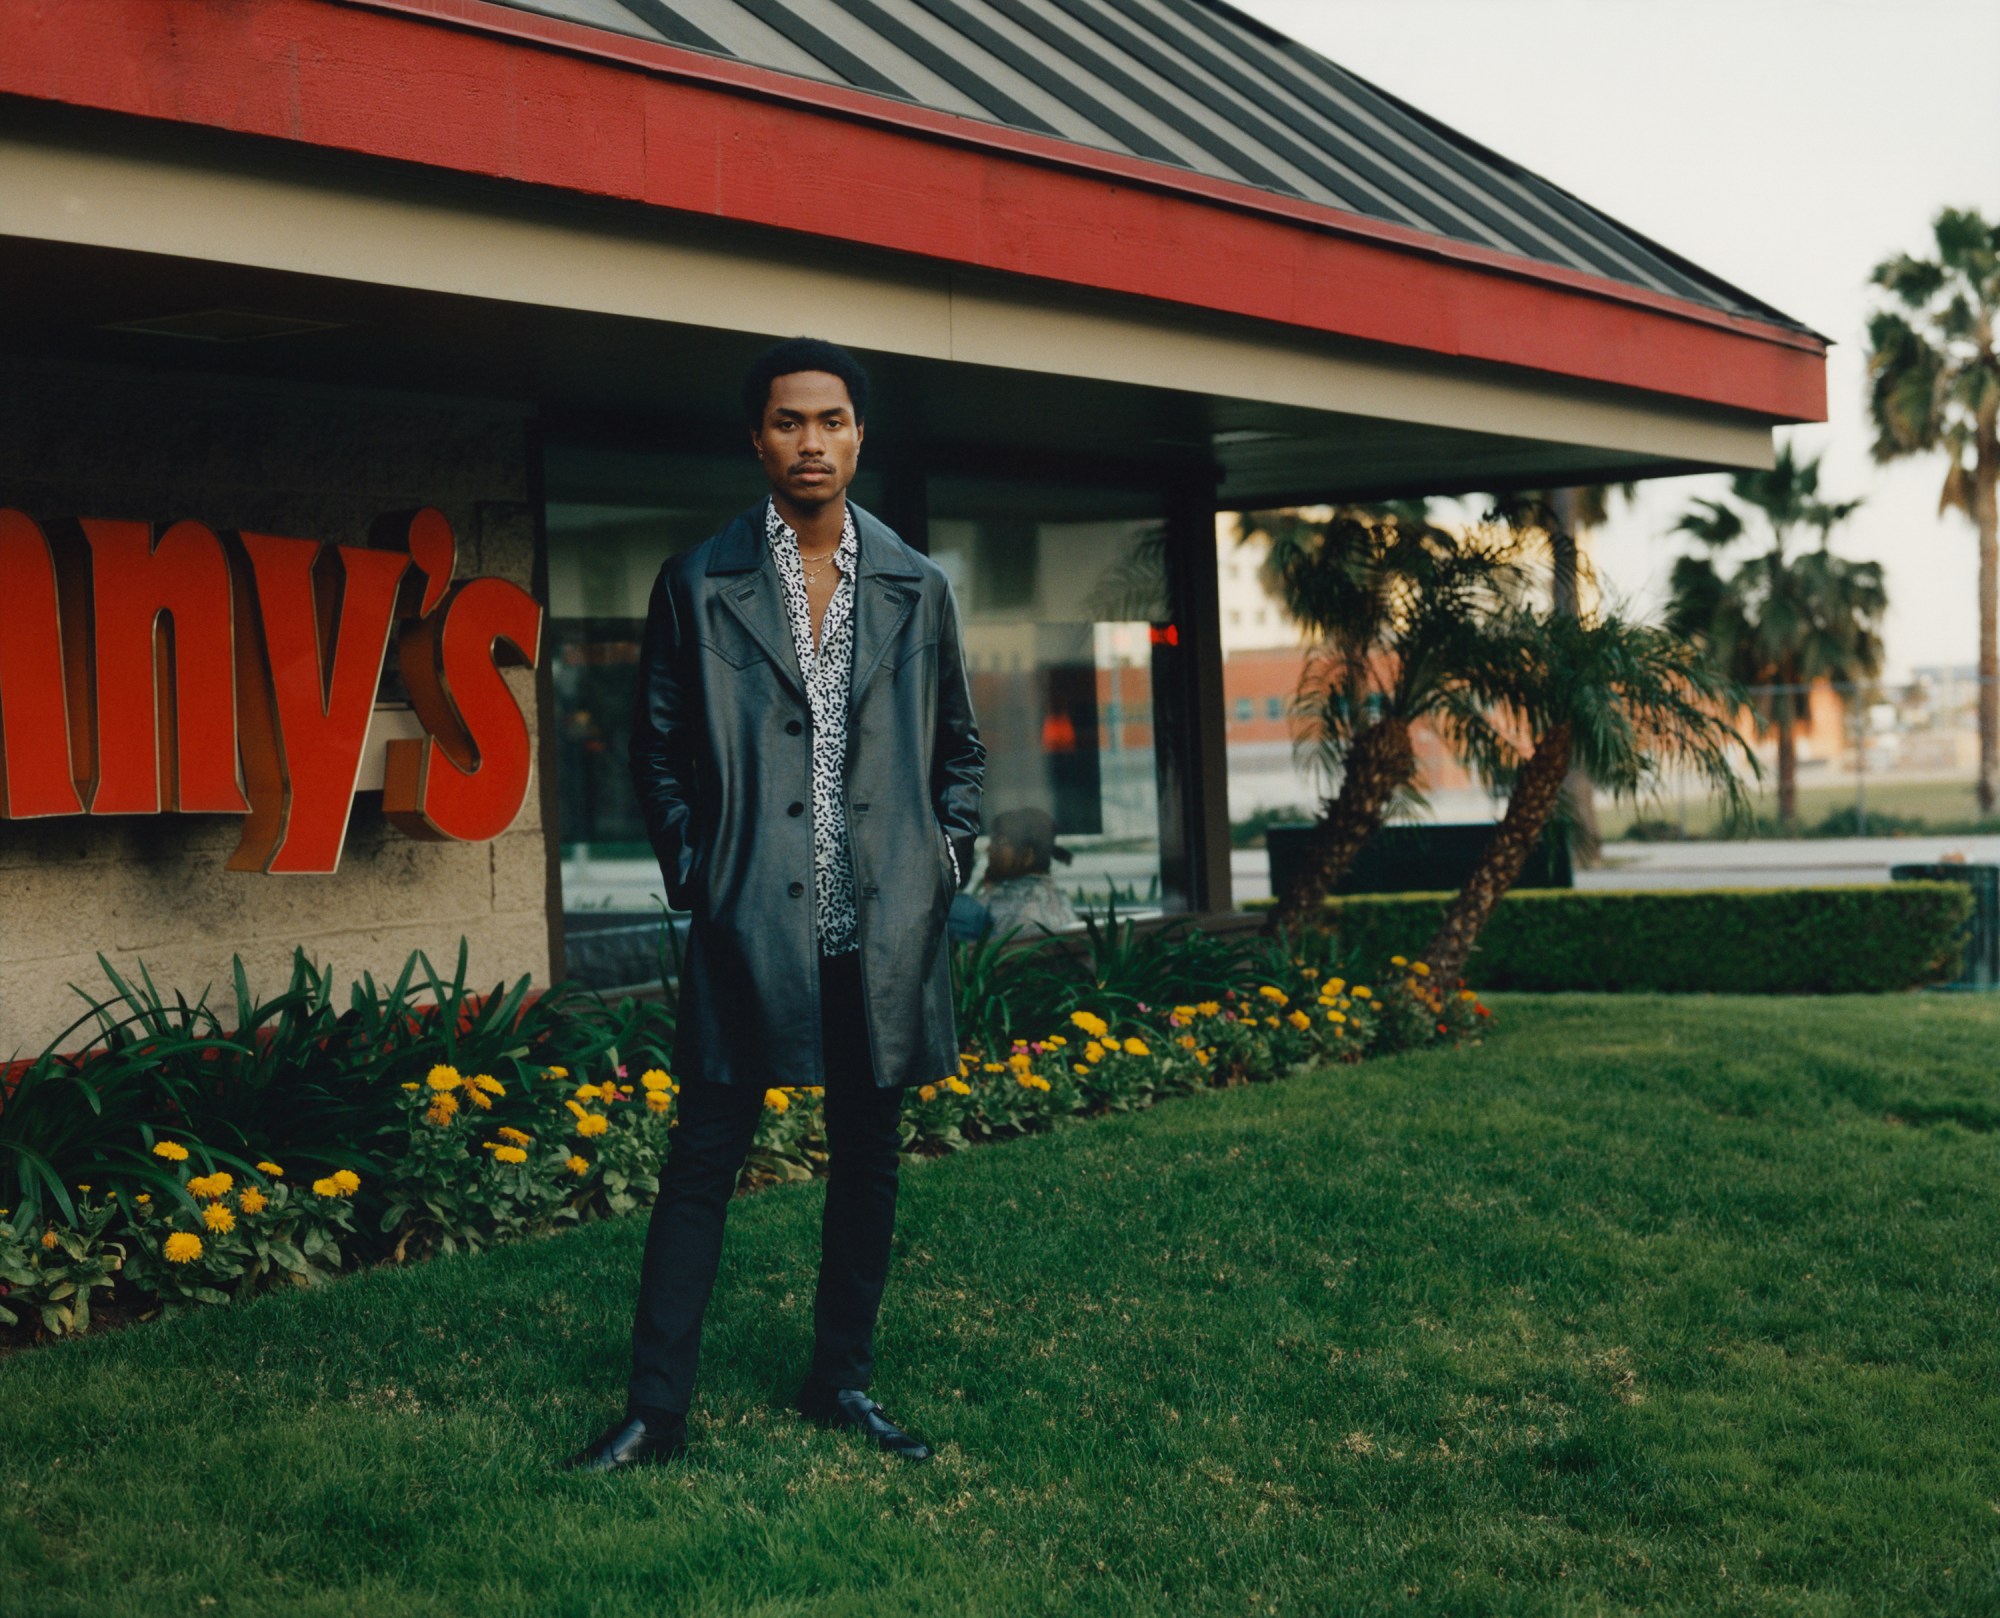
144	670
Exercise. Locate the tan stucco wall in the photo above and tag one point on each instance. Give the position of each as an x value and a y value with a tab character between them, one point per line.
311	464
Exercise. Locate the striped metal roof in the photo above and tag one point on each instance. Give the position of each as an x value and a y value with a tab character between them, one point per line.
1191	83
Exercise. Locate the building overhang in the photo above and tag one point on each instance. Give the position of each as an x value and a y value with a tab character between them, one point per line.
591	184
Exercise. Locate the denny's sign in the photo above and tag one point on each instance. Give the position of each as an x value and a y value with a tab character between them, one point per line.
147	668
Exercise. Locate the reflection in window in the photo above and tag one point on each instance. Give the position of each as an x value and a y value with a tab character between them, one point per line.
612	518
1061	594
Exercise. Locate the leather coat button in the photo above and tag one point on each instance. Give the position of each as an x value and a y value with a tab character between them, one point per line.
795	808
796	889
793	727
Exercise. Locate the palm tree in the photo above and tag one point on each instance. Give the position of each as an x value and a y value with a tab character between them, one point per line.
1934	384
1397	609
1612	699
1780	621
1566	517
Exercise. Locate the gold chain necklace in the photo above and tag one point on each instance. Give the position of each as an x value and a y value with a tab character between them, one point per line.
814	568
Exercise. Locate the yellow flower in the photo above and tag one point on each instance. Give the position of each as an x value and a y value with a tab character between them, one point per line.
172	1150
958	1086
440	1115
1273	1021
574	1107
218	1218
209	1185
442	1078
409	1084
252	1200
1136	1047
444	1105
588	1092
1090	1023
1185	1011
1078	1067
183	1247
1336	1016
993	1067
271	1169
1270	993
556	1072
1334	986
1055	1039
1363	992
143	1196
777	1100
577	1165
1399	960
1201	1057
347	1180
487	1083
655	1078
478	1099
658	1101
49	1238
592	1124
1298	1019
1210	1008
1093	1052
927	1092
1020	1061
1467	994
1033	1081
509	1154
520	1137
1187	1042
1421	970
327	1186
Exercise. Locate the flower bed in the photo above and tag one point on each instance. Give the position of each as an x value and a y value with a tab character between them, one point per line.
188	1204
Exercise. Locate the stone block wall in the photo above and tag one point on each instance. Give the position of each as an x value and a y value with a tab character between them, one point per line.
279	459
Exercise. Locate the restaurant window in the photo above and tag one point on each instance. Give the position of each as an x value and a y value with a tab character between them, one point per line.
613	516
1062	597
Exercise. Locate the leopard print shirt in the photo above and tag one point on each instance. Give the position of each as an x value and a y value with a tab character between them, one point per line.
826	670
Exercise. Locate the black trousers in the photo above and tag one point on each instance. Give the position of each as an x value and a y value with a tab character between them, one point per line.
709	1143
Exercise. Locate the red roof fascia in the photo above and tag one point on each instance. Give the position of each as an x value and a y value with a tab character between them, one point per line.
476	88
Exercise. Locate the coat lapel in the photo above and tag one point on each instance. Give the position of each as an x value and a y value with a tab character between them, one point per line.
753	596
885	595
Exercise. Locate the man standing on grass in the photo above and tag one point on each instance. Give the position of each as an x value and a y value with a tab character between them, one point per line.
804	751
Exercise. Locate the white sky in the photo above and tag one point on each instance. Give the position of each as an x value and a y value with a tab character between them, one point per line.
1785	145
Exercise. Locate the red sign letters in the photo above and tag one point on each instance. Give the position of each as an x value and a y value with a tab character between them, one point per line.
143	671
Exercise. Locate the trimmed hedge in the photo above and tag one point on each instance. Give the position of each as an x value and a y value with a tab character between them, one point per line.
1847	940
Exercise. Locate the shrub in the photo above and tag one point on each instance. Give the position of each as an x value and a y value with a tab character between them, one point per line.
1853	940
444	1127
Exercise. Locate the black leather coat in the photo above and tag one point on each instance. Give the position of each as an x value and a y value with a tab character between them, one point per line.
722	761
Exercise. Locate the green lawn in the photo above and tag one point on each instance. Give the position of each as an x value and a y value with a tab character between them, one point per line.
1943	803
1662	1305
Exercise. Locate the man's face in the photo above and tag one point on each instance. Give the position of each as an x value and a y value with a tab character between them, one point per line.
809	441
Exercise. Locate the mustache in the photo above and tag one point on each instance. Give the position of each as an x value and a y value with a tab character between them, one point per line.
808	466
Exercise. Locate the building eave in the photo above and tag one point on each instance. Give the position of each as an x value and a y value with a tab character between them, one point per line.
489	91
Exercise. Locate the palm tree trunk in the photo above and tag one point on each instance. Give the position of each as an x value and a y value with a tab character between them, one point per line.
1788	766
1380	761
1536	791
1985	474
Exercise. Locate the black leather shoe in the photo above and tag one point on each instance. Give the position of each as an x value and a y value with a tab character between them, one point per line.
631	1442
850	1407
